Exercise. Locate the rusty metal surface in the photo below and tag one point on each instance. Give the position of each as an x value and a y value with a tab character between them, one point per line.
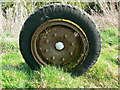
73	40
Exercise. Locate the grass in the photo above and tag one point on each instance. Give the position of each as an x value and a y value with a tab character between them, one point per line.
17	74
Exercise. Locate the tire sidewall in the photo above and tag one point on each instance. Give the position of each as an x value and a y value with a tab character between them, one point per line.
68	12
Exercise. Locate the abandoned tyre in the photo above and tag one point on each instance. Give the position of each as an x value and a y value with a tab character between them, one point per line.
61	35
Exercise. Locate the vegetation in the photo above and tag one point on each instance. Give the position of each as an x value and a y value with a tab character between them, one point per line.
87	6
17	74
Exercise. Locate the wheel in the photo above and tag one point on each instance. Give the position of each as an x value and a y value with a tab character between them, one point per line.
61	35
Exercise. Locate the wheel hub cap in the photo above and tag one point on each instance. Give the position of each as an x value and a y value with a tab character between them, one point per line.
59	45
60	42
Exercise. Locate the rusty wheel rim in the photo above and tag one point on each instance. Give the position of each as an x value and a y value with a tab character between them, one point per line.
59	42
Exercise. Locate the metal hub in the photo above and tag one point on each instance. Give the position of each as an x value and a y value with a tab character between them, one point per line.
59	46
60	42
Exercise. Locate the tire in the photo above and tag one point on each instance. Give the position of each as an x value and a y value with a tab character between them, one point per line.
67	12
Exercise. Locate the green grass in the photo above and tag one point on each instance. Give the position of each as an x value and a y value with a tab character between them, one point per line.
17	74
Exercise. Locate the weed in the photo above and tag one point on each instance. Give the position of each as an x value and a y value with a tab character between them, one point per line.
17	74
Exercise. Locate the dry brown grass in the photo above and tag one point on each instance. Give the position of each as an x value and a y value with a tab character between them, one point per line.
104	74
15	21
107	20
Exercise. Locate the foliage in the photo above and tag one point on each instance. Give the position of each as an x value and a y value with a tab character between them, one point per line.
17	74
104	74
87	6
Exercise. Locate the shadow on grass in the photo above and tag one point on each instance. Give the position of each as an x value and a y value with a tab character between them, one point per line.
19	67
27	70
